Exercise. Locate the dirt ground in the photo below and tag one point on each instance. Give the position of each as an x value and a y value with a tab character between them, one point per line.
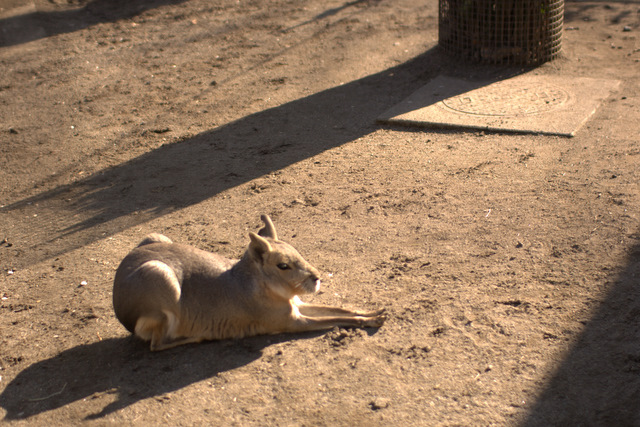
509	264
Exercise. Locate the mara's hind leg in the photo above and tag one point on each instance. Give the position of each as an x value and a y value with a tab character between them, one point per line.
152	328
150	297
161	330
168	343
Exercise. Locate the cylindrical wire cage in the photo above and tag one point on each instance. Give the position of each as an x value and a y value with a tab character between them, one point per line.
502	31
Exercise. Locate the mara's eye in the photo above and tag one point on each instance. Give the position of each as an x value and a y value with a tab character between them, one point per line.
283	266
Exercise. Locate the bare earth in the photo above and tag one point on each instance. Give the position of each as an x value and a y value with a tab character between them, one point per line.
509	264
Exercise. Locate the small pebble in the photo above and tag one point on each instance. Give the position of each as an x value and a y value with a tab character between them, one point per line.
379	403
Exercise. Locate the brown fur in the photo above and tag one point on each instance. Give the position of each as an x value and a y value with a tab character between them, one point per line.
172	294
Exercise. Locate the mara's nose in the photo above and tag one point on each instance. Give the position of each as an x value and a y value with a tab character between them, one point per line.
314	274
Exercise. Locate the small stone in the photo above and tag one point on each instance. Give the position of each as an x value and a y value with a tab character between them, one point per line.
626	28
379	403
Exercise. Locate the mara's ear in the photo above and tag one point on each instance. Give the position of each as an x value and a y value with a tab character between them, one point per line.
259	246
269	229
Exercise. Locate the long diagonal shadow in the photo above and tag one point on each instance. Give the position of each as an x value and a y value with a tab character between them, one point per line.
598	382
181	174
35	24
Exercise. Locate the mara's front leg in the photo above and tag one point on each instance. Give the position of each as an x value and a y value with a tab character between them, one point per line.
303	322
314	310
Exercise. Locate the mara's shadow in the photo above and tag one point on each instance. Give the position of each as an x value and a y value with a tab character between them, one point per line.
29	24
125	368
187	172
598	382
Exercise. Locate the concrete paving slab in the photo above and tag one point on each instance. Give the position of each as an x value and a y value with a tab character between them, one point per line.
556	105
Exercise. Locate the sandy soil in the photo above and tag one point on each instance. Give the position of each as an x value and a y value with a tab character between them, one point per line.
508	264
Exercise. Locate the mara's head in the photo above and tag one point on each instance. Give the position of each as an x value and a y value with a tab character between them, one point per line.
284	270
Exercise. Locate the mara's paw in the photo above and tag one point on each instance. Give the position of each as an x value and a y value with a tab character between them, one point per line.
375	321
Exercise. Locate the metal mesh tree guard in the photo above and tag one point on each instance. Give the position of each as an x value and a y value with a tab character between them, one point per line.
501	31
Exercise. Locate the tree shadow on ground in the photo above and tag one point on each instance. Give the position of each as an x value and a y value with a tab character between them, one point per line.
184	173
598	383
34	24
125	367
581	10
